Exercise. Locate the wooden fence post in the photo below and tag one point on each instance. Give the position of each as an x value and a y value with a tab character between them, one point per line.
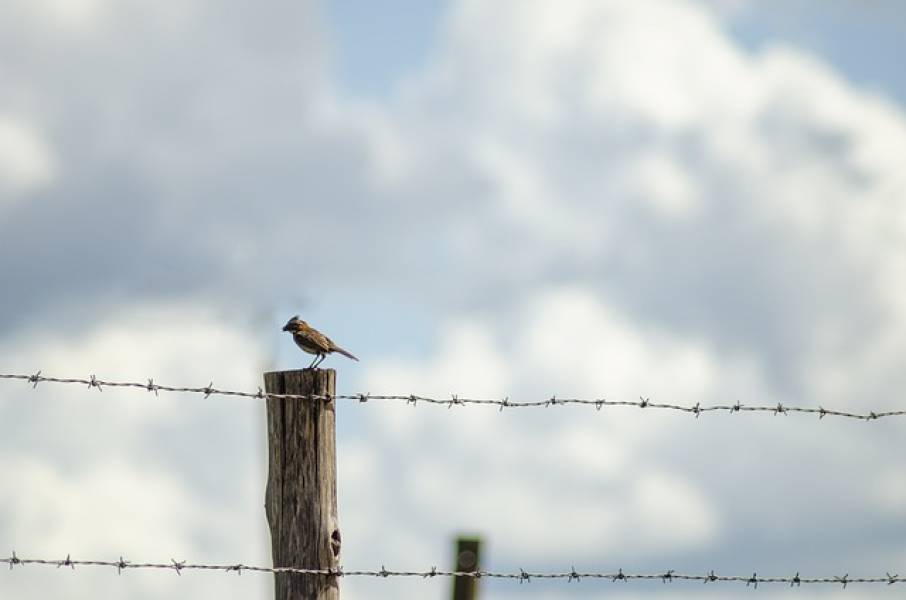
468	551
301	495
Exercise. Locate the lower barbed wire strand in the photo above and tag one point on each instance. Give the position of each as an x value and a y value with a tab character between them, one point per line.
522	576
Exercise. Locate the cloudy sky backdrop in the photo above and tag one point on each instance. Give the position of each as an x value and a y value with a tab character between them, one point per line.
689	201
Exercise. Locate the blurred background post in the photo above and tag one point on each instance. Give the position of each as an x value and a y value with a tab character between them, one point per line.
468	553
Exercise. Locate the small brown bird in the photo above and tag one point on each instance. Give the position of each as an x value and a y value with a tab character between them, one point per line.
313	341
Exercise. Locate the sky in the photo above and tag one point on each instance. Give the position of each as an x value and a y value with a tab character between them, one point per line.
688	201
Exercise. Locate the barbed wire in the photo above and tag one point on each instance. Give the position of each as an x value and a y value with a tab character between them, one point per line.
522	576
598	403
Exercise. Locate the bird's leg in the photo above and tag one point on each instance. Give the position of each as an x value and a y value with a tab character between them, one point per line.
312	365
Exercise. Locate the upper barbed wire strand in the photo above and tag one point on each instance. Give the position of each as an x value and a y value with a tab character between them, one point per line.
455	400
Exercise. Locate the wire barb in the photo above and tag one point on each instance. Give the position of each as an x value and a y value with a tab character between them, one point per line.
753	580
178	565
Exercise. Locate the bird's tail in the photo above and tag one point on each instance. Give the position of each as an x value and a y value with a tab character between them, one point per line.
344	353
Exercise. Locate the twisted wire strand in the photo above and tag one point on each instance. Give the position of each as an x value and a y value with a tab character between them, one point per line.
455	400
522	576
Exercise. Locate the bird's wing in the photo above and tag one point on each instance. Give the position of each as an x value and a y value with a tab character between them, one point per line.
320	340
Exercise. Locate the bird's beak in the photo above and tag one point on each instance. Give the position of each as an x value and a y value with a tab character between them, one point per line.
286	327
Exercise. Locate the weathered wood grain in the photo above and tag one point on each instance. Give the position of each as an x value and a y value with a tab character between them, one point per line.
301	494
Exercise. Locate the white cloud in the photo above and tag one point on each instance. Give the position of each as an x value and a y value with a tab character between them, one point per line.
26	161
890	492
93	510
573	339
69	15
666	186
63	17
108	509
670	514
599	198
466	354
578	458
172	344
122	472
701	185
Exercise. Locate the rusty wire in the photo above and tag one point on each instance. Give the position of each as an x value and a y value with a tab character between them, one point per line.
598	403
522	576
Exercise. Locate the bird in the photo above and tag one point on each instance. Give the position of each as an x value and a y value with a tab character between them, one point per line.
313	341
